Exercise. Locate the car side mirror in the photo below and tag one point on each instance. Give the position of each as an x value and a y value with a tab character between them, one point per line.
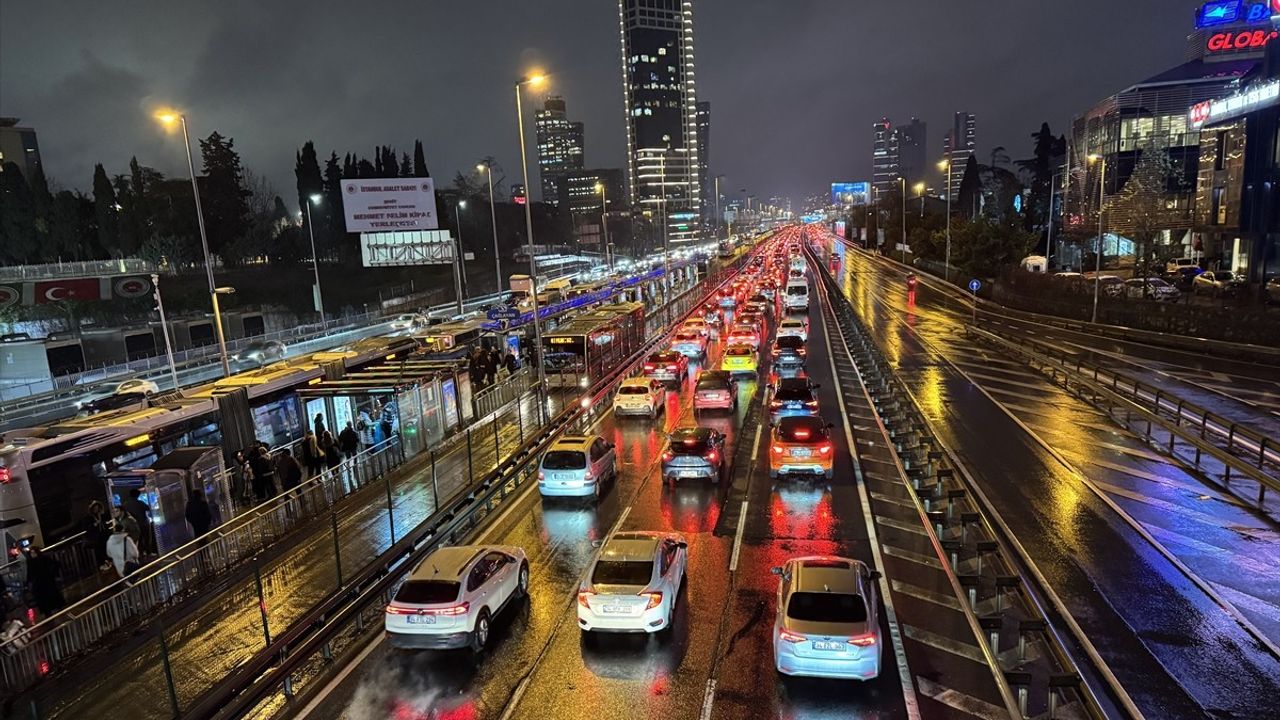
776	571
830	425
682	544
874	575
597	543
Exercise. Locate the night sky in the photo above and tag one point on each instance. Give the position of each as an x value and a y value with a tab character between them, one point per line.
794	84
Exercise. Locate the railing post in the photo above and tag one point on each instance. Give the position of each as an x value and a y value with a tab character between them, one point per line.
168	674
497	447
391	508
471	473
435	489
337	546
262	602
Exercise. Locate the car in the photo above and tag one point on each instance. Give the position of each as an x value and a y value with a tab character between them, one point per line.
801	445
768	290
1156	289
137	386
690	344
826	623
693	453
1183	278
409	321
751	317
667	365
452	596
791	397
576	466
1173	265
757	307
739	360
715	390
797	326
260	352
789	350
1217	283
743	334
727	298
640	396
1271	291
797	295
1109	285
633	583
696	324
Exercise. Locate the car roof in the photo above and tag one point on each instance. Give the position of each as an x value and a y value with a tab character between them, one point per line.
794	384
641	381
664	353
690	433
791	423
631	546
447	563
572	442
824	573
714	375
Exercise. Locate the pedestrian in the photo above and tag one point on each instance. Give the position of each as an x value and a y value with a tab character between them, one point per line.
198	514
43	573
246	473
94	526
317	426
130	525
310	455
263	474
384	423
493	363
329	446
123	552
365	427
288	470
349	441
142	514
510	361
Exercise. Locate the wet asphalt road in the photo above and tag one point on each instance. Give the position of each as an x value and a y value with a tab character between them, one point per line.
1164	636
539	664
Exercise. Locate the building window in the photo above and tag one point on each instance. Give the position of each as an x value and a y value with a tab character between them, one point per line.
1220	149
1219	212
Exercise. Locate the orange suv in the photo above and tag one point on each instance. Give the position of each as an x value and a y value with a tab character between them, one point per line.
800	446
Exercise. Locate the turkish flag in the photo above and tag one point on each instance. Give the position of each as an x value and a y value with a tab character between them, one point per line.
48	291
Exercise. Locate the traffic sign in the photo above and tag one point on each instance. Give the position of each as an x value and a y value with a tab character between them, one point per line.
974	284
503	312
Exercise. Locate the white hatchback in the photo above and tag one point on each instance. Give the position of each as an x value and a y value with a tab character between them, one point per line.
633	583
827	624
798	327
640	396
451	598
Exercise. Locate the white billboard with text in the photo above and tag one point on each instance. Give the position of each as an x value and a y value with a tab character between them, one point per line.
376	205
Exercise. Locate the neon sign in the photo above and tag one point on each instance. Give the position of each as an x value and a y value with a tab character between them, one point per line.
1244	40
1252	98
1223	12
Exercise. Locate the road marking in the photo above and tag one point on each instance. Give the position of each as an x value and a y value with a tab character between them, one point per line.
957	700
737	537
948	601
968	651
709	699
899	652
755	449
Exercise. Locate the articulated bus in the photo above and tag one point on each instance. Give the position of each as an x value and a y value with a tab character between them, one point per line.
586	348
50	474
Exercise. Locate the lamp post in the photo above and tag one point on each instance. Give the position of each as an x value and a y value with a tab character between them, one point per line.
315	259
533	81
1048	240
604	225
217	322
169	117
919	188
666	246
1097	267
945	165
493	220
903	180
715	221
457	252
164	327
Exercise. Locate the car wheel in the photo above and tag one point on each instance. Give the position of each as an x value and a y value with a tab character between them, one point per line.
522	581
480	636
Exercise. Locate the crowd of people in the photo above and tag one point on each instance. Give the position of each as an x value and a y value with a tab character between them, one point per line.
487	366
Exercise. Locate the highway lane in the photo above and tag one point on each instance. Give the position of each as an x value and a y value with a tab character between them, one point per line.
716	661
1165	640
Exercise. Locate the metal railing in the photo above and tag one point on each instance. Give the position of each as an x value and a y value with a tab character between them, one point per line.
86	268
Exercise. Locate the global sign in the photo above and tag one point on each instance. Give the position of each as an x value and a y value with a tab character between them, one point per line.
1238	41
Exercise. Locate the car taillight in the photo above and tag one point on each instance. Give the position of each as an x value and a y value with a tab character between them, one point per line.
655	599
866	640
668	456
811	403
583	597
671	367
712	455
648	366
775	403
788	636
778	448
459	609
542	475
800	351
393	610
824	449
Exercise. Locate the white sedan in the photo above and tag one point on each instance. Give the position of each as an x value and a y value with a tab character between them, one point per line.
640	396
633	583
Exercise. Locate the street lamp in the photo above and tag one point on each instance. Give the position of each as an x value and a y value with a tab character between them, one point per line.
169	118
457	252
493	220
315	199
902	179
532	81
217	323
945	166
715	221
919	188
666	246
1097	268
164	327
604	225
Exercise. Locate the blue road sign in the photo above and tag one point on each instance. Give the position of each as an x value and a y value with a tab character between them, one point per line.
974	284
503	312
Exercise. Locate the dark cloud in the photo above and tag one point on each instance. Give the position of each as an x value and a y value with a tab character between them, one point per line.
794	84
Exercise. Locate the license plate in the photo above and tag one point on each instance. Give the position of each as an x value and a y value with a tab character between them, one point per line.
422	619
689	473
794	406
801	452
831	646
616	610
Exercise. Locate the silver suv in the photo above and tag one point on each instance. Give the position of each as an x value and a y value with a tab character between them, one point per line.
826	624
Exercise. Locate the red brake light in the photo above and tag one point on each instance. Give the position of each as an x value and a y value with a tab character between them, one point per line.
713	456
668	455
791	637
583	597
811	403
459	609
824	449
4	476
671	366
866	640
777	448
648	366
801	434
655	599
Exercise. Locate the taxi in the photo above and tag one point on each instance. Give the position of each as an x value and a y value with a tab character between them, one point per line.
739	360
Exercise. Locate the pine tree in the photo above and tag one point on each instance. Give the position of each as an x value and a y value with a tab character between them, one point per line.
17	218
224	195
406	166
106	211
335	224
307	173
377	162
970	189
42	206
419	161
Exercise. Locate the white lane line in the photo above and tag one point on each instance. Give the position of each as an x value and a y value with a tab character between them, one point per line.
755	448
709	699
895	629
947	601
957	700
968	651
737	537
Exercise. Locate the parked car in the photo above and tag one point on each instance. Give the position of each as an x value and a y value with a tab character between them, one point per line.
1110	285
576	466
1177	264
1218	283
694	453
409	321
260	352
826	624
1156	289
633	583
451	597
1183	278
1271	291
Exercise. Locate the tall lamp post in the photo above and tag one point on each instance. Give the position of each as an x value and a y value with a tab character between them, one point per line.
1097	267
457	252
902	179
169	118
164	327
604	225
532	81
666	246
493	220
217	318
314	199
715	220
945	166
919	188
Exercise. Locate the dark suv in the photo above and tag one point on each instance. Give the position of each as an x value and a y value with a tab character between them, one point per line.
694	453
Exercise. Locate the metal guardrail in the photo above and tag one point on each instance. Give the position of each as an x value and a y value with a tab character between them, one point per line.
956	518
1238	447
94	268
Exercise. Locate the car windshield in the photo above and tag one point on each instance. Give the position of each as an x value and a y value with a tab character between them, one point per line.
801	431
798	290
792	391
789	342
738	351
428	592
712	383
690	445
622	572
633	390
827	607
687	337
564	460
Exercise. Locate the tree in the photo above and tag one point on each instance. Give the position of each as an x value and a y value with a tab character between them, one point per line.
306	170
970	189
999	155
106	212
984	248
1140	210
335	225
406	166
1039	171
18	242
42	206
224	196
419	161
71	227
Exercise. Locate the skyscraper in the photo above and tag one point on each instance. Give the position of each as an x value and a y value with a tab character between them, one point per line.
18	146
884	158
661	112
960	143
913	151
705	185
560	145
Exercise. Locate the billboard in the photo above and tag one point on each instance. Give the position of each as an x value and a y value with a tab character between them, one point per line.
389	204
850	193
396	249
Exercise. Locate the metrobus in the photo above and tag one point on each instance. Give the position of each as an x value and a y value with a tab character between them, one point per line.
586	348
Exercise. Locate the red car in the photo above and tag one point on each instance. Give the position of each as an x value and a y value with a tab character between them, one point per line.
667	366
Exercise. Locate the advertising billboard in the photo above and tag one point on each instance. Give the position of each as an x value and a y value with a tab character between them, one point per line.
851	193
389	204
